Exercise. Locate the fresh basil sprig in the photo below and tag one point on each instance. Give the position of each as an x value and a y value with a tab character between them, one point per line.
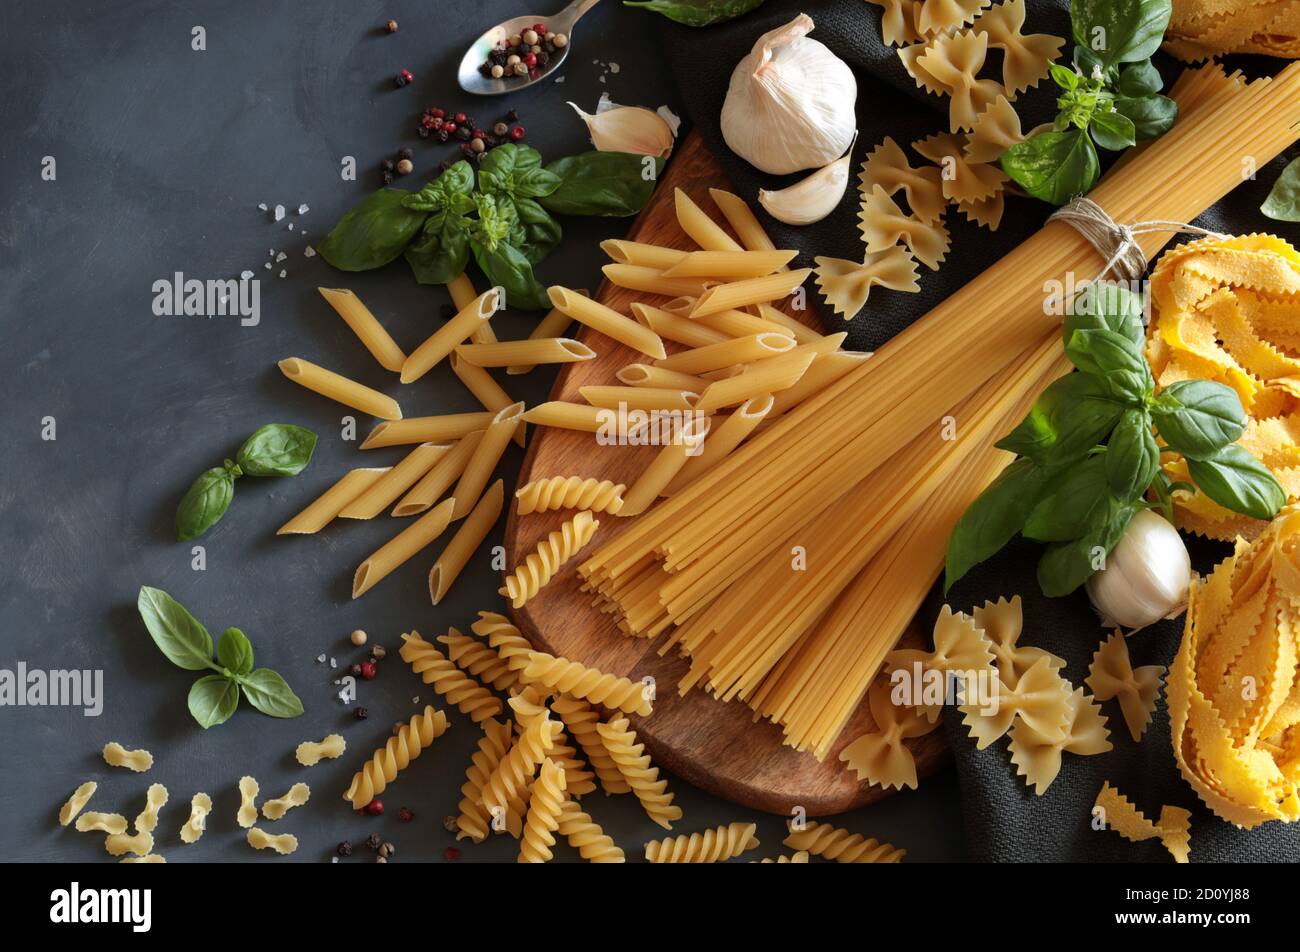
213	698
1089	452
1109	100
1283	202
277	449
697	12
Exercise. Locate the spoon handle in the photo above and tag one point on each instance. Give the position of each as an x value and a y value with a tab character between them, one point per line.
574	11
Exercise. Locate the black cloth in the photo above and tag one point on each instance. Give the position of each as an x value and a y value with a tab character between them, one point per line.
1004	820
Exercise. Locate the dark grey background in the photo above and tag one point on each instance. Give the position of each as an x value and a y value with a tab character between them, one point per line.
163	155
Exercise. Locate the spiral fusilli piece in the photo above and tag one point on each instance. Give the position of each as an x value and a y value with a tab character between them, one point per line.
480	661
711	846
435	669
799	857
504	638
529	705
581	720
543	814
473	821
588	684
831	842
511	778
634	764
403	747
552	552
570	492
585	835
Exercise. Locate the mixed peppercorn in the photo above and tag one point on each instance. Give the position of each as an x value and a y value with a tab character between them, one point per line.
524	54
475	142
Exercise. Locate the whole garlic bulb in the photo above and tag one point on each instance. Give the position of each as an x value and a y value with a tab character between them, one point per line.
789	106
1146	575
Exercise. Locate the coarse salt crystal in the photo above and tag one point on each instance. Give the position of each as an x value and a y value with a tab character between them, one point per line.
245	275
281	256
310	252
416	699
333	663
291	226
614	67
303	209
262	207
279	212
267	266
320	659
284	274
559	79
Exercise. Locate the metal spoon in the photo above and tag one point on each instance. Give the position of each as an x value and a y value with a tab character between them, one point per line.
472	81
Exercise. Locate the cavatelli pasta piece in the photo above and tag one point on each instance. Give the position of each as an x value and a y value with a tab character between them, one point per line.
473	821
887	166
1112	675
155	799
570	492
110	823
883	225
479	660
309	752
436	670
634	764
200	807
846	284
552	552
582	719
284	844
831	842
298	794
504	638
140	843
585	835
403	747
75	803
543	814
711	846
577	680
248	790
115	755
513	775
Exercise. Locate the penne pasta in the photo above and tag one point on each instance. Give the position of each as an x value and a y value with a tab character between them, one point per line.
654	479
485	458
676	328
642	255
607	321
462	293
723	438
568	416
401	547
444	340
396	481
321	511
427	429
702	229
731	323
554	324
730	265
487	391
822	372
439	479
764	377
340	389
645	375
366	326
539	350
639	398
801	331
652	281
772	287
742	220
466	541
736	350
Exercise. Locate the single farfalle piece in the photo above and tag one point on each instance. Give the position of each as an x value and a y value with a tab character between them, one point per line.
846	285
552	552
1112	675
955	61
986	212
833	843
883	225
936	15
437	671
959	645
1038	758
887	166
898	20
963	180
548	794
1041	698
570	492
579	681
910	57
479	660
1003	622
1026	58
880	757
711	846
996	129
410	740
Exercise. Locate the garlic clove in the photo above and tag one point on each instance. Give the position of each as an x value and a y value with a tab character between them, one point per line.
812	198
628	129
1146	575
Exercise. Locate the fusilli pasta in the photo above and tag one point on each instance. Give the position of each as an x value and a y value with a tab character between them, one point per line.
516	769
479	660
586	836
444	677
570	492
543	814
634	764
831	842
711	846
582	719
504	638
552	552
403	747
799	857
577	680
473	821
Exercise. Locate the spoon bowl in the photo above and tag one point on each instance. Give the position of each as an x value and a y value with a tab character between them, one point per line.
473	81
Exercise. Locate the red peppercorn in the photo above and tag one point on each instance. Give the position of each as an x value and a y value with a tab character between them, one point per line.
368	670
405	815
448	126
375	807
451	853
461	117
437	113
466	148
530	60
406	75
539	29
517	133
479	134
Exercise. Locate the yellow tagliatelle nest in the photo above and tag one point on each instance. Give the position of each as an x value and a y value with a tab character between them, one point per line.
1199	29
1234	698
1228	309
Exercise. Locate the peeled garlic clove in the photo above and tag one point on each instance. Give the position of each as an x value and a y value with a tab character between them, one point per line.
813	198
1146	575
628	129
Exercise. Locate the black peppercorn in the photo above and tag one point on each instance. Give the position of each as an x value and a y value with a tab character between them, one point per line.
344	848
355	670
422	131
463	133
512	116
386	165
361	713
399	82
373	841
543	58
405	154
443	135
378	652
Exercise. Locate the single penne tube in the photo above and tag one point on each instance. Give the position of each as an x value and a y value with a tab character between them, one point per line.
485	458
401	547
639	398
736	350
674	327
652	281
742	220
340	389
554	324
734	370
646	375
325	508
801	331
427	429
724	437
441	478
541	350
824	345
366	326
729	265
729	323
821	373
396	481
444	340
622	251
702	229
607	321
466	541
462	293
568	416
687	441
485	389
736	294
766	376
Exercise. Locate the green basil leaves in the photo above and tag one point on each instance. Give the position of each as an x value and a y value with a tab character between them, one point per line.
697	12
608	184
1283	202
372	234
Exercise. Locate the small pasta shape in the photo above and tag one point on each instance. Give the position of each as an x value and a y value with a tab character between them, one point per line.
607	321
92	822
473	821
582	720
897	21
883	225
428	429
742	220
699	227
298	794
880	757
540	566
831	842
504	638
641	776
140	843
475	314
466	541
588	684
737	294
309	753
846	285
479	660
543	818
340	389
284	844
712	846
515	772
75	803
1112	675
395	756
955	61
936	15
366	326
538	350
155	799
115	755
248	790
799	857
1026	58
326	507
436	670
200	807
888	167
149	858
570	492
585	835
963	180
569	416
996	129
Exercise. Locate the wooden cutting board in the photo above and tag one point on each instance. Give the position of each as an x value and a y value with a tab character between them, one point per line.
714	745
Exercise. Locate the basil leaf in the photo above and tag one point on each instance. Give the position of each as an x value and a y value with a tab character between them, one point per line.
270	693
1132	456
1151	115
994	518
213	699
1113	131
1067	565
697	12
176	632
1053	166
450	191
1064	77
205	502
441	251
1105	306
608	184
373	233
541	232
1068	419
1199	417
516	171
1237	481
1115	360
277	449
235	651
1071	508
1283	202
1120	31
506	267
1140	79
